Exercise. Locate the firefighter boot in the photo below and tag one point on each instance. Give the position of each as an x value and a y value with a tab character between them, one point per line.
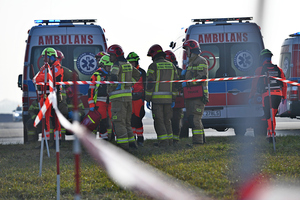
124	146
163	143
170	142
132	145
140	140
198	139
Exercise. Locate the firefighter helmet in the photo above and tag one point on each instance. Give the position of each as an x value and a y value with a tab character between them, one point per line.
100	54
115	49
50	52
170	56
266	52
154	50
132	57
60	55
105	60
193	45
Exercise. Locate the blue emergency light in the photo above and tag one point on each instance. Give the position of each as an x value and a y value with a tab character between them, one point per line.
295	34
65	21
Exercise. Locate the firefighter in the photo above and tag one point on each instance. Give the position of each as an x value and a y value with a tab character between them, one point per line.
196	69
138	98
51	57
98	98
33	111
70	96
120	96
278	89
98	57
179	104
162	95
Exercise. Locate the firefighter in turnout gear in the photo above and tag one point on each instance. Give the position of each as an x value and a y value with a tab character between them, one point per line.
179	104
138	97
98	97
162	95
278	89
120	96
40	77
197	69
31	130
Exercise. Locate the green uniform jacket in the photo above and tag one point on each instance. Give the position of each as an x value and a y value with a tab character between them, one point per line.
161	93
197	69
124	72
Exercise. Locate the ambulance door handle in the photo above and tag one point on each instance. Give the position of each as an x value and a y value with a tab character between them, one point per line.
234	91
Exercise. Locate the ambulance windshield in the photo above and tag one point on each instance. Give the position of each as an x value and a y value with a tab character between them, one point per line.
231	59
79	58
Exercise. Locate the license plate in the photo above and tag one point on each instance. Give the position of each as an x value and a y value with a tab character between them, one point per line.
212	113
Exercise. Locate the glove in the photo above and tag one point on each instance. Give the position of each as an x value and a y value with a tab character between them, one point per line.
183	84
204	99
92	108
148	105
119	86
173	104
70	114
183	72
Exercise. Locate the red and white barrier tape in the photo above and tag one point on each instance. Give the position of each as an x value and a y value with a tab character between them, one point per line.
175	81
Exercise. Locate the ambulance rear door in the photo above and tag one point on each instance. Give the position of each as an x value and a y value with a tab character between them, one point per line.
232	50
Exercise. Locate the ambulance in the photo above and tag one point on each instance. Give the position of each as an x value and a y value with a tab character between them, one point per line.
290	64
231	47
79	40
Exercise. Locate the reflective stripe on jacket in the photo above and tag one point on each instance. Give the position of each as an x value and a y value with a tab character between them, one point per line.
161	70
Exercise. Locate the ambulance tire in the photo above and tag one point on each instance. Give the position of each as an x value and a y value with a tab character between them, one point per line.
239	130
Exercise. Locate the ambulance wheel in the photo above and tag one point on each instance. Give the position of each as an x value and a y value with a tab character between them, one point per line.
239	131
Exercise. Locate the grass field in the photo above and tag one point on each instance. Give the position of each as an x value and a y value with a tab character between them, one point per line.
218	168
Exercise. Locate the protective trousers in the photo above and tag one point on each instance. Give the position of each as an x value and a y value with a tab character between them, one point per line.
121	118
162	114
176	123
105	130
276	96
194	111
138	112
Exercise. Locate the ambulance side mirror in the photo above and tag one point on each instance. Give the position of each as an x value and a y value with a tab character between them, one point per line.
20	81
172	45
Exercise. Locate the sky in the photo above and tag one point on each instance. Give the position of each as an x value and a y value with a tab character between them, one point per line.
134	24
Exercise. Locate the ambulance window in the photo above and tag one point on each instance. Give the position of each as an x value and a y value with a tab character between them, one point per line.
212	54
244	58
285	61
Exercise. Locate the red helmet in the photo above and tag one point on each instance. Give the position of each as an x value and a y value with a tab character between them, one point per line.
170	56
154	50
60	55
192	44
100	54
115	49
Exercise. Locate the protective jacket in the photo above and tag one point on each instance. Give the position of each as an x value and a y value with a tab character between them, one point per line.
122	71
161	93
138	89
98	92
197	69
260	85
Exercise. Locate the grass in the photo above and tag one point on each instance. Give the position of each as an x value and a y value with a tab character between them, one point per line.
218	168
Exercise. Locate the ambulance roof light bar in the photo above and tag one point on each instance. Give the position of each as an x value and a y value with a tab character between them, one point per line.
240	19
295	34
64	21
